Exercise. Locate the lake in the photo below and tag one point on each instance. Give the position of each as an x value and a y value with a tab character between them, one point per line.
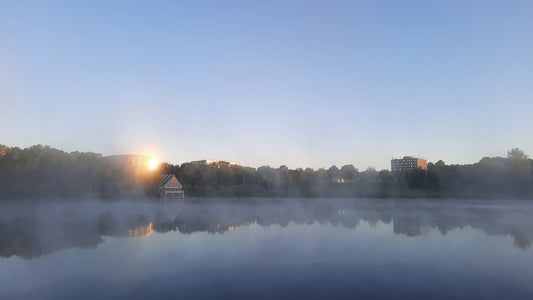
268	249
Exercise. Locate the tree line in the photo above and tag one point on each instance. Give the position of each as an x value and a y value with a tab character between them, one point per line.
511	176
42	171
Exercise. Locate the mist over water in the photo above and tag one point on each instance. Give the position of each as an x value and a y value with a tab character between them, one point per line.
266	150
267	248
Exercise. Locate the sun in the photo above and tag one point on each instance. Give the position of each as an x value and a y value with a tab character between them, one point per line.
152	163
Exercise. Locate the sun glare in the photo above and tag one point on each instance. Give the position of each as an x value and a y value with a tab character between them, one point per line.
152	163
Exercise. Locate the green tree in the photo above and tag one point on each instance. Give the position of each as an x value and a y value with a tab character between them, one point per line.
348	171
3	150
518	159
516	154
370	169
266	176
333	173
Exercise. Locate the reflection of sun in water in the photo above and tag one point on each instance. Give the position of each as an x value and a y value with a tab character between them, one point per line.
152	163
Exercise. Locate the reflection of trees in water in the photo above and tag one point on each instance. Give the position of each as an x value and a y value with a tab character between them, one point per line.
129	225
412	219
522	241
411	227
27	237
190	226
32	237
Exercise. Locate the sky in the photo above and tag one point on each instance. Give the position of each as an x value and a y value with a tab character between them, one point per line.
296	83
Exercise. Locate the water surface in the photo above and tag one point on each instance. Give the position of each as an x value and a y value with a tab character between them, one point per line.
267	248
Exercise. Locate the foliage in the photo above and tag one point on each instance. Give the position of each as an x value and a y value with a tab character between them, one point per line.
518	159
3	149
348	172
490	177
41	171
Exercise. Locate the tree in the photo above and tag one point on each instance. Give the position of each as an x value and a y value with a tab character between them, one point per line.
333	172
348	171
224	175
282	178
370	169
516	154
384	178
321	174
417	178
266	176
3	150
518	159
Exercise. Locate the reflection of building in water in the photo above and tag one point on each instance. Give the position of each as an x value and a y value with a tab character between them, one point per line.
425	229
141	231
410	227
222	228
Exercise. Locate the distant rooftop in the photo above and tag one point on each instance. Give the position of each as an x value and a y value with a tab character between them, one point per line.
408	156
219	162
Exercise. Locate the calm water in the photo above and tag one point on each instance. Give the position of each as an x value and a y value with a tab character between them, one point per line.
261	248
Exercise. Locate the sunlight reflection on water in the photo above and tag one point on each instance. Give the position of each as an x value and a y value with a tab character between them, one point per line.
255	248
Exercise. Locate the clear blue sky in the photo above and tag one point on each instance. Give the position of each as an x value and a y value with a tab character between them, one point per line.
301	83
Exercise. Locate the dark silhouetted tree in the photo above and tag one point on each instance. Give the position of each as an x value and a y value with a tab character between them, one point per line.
348	171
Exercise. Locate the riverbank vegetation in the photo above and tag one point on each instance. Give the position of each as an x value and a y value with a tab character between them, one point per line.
42	171
491	177
45	172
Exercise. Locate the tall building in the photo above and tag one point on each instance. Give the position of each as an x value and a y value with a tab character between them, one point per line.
408	163
133	161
